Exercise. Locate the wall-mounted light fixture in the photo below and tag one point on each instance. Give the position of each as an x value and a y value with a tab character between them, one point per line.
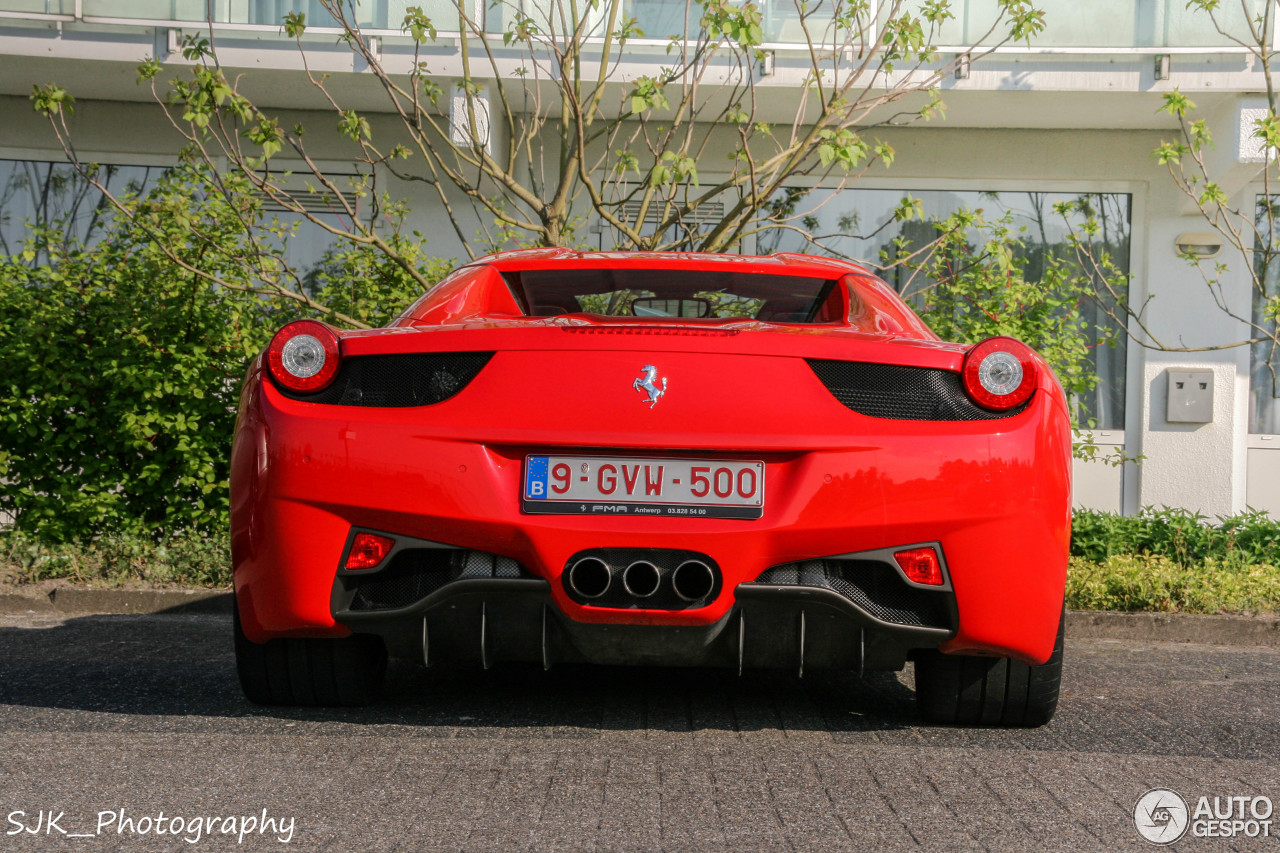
1198	244
765	66
962	67
1162	66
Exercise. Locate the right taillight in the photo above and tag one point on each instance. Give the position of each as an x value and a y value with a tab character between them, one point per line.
304	356
999	373
368	550
921	565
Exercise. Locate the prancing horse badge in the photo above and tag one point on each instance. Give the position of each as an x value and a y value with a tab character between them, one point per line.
649	385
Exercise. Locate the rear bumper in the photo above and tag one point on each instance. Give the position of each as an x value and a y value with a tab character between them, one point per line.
482	622
996	498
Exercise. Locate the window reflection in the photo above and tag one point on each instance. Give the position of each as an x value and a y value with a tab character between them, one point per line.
54	198
1264	356
41	195
860	224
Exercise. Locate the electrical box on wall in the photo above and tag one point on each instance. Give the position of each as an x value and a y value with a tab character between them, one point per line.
1190	396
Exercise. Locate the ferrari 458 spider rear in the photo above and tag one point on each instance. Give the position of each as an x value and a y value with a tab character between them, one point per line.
701	460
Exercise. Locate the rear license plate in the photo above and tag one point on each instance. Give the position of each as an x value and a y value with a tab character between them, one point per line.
606	485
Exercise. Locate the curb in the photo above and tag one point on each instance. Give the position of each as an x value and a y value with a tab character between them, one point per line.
1081	624
1174	628
85	601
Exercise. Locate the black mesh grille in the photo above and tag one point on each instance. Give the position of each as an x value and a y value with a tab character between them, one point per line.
415	573
407	379
874	586
902	393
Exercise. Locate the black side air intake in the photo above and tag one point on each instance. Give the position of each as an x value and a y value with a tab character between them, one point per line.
902	393
397	381
415	573
872	585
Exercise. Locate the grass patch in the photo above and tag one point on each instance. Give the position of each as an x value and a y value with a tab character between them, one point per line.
1147	582
183	559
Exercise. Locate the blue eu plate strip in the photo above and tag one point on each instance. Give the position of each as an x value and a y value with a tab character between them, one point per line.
535	478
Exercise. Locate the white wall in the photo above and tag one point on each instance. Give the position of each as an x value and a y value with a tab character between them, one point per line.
1201	467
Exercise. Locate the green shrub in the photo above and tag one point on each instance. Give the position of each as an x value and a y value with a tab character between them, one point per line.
1153	582
1184	537
184	559
120	371
120	367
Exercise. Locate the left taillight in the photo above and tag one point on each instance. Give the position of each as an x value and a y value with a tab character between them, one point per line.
304	356
368	550
999	373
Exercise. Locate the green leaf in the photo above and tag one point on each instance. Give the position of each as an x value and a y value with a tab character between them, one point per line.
353	126
148	69
418	25
1176	104
295	24
51	100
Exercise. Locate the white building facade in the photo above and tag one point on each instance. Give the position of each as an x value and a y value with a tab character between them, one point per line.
1073	115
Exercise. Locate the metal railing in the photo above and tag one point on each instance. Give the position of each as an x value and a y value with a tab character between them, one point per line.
1107	26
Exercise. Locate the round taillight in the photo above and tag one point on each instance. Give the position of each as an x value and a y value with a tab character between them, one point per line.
304	356
999	373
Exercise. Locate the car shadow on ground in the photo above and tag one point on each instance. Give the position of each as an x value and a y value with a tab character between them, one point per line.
183	667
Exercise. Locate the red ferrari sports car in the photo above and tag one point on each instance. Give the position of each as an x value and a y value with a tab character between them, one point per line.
671	459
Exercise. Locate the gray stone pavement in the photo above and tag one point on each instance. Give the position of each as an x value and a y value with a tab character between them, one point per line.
143	713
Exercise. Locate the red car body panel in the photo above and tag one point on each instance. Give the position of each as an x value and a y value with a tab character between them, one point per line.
994	493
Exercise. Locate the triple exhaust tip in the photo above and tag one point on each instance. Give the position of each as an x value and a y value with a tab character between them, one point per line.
693	580
591	577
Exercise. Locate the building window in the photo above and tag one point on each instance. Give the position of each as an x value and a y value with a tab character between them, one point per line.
1115	23
56	199
1264	356
860	224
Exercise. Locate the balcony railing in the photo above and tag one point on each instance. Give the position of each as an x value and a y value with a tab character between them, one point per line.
1106	25
1111	24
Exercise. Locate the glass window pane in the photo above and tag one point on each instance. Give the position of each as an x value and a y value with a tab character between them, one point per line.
661	19
39	7
860	224
688	293
54	196
1105	23
40	195
1264	357
148	10
783	21
377	14
799	21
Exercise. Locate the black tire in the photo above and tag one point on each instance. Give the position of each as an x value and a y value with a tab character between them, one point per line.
977	691
310	672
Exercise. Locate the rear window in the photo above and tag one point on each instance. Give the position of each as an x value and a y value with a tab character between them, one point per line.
664	294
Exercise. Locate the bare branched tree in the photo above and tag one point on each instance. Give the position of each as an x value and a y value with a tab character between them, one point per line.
527	123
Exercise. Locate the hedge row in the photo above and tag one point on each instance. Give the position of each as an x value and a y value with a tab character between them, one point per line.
1186	538
1160	560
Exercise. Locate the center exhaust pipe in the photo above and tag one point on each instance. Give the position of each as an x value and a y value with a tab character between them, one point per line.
590	577
641	579
693	580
